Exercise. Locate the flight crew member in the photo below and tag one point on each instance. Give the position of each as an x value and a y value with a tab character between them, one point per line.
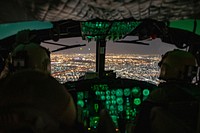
170	108
28	55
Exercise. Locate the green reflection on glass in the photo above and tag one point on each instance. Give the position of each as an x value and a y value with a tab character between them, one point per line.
110	29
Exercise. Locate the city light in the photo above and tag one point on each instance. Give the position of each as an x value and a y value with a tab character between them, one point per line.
70	67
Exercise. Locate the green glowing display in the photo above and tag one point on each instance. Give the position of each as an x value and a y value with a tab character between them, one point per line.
113	97
97	93
113	102
80	103
112	107
114	118
108	97
127	91
146	92
94	121
109	30
136	91
103	98
127	112
108	92
80	95
128	104
120	100
108	102
100	87
113	92
96	107
120	108
137	101
119	92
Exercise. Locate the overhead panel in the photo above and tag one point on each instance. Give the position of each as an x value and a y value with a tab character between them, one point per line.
84	10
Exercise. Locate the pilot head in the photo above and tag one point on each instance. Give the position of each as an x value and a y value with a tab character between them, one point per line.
31	56
28	54
177	65
29	91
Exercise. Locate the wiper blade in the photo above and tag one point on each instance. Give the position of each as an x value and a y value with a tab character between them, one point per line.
133	42
57	44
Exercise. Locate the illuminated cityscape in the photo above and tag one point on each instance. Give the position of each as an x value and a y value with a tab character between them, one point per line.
70	67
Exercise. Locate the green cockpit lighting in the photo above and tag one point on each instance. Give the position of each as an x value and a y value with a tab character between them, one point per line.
146	92
119	92
136	91
96	107
109	30
80	103
127	91
80	95
100	87
117	100
137	101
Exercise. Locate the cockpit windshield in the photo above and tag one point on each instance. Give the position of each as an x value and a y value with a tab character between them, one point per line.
104	53
125	60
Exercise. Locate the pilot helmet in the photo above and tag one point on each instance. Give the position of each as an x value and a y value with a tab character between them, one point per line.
31	56
178	65
30	90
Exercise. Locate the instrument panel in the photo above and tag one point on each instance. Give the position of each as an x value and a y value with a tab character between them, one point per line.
120	97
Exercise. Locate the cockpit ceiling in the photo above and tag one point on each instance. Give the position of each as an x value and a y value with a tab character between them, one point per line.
83	10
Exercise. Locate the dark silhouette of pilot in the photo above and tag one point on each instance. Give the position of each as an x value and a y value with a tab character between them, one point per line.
27	82
173	107
26	55
33	100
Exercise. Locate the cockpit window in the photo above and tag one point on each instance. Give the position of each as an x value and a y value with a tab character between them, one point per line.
12	28
124	60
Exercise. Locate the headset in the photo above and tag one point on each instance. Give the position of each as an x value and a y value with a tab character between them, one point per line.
189	71
20	60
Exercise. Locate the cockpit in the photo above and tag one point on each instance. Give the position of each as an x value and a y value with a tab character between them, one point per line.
98	23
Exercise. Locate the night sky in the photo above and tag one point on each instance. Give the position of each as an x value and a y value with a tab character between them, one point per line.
155	47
